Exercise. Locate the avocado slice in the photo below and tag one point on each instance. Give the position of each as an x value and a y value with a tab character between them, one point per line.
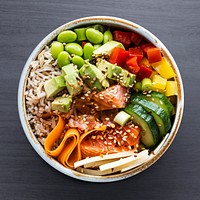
116	73
62	104
69	69
74	83
93	77
107	48
54	85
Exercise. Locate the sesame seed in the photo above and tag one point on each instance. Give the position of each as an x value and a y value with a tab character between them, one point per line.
112	125
129	147
136	126
105	142
128	130
110	137
114	106
107	118
93	137
82	98
109	143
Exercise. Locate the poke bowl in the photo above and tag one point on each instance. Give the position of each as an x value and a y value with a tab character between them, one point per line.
100	99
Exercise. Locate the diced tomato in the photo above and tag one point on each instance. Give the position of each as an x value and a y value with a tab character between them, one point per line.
154	55
136	38
136	52
144	72
113	97
123	37
133	65
146	46
119	56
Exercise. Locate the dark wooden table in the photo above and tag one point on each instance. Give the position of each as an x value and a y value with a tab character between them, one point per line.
24	175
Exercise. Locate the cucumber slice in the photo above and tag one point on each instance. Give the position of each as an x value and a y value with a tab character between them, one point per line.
156	100
150	133
159	114
163	99
121	118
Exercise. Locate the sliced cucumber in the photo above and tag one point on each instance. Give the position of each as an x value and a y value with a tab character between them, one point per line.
163	99
122	118
156	100
159	114
150	133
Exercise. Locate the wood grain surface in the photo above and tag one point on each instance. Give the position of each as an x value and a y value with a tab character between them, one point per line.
24	175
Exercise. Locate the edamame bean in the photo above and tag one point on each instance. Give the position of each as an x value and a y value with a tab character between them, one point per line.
74	48
80	34
56	48
77	60
94	36
63	59
67	36
107	36
96	46
88	51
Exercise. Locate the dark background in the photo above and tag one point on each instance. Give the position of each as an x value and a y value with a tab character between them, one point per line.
23	174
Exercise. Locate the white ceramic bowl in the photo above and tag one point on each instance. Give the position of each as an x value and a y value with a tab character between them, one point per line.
117	23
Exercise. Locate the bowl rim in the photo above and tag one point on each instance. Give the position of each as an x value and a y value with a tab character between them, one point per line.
81	22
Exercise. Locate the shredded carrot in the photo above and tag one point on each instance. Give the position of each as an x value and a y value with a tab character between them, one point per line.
68	151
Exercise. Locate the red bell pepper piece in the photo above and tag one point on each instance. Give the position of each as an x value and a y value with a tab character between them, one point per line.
136	52
119	56
144	72
154	55
123	37
146	46
133	65
136	38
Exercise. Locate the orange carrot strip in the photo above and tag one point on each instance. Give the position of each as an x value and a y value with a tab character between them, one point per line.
53	137
69	154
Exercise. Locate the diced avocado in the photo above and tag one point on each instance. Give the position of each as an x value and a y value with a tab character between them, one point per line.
69	69
74	84
127	79
61	104
93	77
116	73
107	48
55	85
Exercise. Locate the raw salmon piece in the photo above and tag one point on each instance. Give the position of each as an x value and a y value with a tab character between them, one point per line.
111	98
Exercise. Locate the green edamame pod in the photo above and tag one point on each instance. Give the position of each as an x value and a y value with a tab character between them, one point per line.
56	48
107	36
146	84
96	46
63	59
80	34
67	36
88	51
94	36
77	60
74	48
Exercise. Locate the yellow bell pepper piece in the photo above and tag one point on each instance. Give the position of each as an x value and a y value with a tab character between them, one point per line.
153	74
164	68
145	62
158	83
171	88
